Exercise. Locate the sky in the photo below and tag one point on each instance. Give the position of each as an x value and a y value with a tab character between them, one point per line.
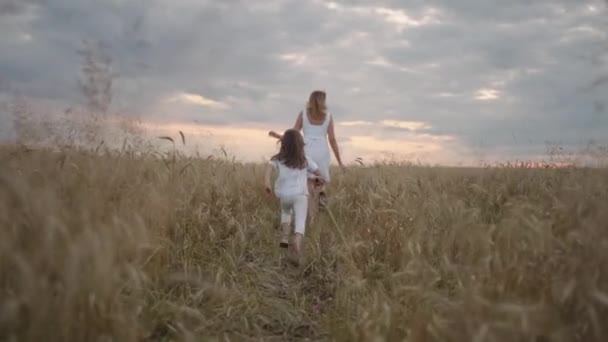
438	81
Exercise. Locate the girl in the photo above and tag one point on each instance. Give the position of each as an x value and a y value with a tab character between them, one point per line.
318	127
291	185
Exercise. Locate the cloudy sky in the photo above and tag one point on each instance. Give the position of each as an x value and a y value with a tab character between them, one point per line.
440	81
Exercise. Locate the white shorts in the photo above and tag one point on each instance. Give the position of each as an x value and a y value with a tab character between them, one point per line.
299	205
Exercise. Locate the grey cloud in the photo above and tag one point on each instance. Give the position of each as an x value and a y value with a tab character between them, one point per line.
16	7
547	105
229	51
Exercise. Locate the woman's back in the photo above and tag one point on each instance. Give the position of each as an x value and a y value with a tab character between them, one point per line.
313	130
315	142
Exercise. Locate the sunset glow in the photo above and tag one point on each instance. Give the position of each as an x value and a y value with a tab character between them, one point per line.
253	143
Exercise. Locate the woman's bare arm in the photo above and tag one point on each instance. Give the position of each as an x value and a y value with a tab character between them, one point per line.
333	142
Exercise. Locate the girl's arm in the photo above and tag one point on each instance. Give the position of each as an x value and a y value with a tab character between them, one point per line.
275	135
317	173
267	178
333	142
314	169
298	125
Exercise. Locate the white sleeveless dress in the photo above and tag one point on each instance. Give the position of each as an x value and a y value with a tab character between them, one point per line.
315	143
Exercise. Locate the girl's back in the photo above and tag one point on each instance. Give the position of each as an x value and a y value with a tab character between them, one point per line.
290	181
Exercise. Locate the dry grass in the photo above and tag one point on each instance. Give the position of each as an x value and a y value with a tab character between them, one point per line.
127	247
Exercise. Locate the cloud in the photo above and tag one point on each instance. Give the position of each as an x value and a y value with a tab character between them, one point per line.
293	58
477	71
16	7
409	125
356	123
198	100
396	125
485	94
400	18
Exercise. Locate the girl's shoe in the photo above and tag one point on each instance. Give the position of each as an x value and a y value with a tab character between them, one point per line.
286	231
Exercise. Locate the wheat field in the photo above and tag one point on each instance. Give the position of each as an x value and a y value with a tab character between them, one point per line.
125	246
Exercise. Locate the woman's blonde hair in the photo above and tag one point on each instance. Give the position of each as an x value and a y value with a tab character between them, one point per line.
316	106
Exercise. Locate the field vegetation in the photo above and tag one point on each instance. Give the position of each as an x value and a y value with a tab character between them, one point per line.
125	246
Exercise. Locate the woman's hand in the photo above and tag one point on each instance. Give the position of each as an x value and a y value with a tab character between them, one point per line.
318	177
317	182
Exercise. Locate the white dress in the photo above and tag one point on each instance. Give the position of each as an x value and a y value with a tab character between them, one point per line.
315	143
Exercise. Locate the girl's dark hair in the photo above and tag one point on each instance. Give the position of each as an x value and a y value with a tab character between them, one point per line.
292	150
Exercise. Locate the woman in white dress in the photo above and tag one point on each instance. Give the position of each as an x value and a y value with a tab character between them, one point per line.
317	126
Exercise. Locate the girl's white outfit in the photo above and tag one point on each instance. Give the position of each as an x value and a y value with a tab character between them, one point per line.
291	187
315	143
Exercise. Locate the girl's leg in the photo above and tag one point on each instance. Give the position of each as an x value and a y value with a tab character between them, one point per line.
300	208
285	232
286	208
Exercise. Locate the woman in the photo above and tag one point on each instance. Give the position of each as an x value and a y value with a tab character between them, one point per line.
317	126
